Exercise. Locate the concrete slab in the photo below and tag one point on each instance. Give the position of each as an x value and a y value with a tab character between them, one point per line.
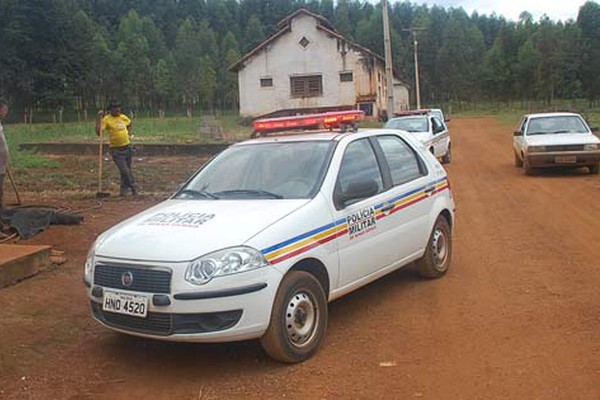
18	262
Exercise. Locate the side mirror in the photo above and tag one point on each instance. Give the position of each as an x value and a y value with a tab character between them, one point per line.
447	120
357	190
595	129
518	133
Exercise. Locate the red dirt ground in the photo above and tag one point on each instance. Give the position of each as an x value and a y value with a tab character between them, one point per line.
517	316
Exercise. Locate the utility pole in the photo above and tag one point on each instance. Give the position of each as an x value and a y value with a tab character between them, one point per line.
413	31
388	59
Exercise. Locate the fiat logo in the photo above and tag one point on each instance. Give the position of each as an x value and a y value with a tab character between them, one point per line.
127	278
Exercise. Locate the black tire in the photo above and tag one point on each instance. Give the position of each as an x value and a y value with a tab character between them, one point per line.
298	319
438	254
447	158
518	161
594	169
527	168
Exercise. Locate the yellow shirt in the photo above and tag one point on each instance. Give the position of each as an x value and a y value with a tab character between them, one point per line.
118	135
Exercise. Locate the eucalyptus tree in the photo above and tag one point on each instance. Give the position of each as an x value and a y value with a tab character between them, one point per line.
188	54
132	57
588	21
227	90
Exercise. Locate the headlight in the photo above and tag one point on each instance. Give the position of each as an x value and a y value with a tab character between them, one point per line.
224	262
88	268
536	149
590	147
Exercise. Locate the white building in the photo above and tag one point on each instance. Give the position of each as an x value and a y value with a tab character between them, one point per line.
309	66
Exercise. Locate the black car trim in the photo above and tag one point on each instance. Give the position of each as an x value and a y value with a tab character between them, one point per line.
221	293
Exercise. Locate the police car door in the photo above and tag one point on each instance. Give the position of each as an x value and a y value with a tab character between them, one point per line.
373	224
441	137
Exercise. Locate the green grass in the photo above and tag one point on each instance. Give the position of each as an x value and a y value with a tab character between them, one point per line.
180	129
146	130
509	114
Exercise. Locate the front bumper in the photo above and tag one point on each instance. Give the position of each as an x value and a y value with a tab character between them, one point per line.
564	159
231	308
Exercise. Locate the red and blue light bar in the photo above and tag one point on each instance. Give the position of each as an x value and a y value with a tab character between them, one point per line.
328	120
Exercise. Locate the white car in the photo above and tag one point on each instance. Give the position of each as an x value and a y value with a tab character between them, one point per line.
428	128
257	242
555	140
437	112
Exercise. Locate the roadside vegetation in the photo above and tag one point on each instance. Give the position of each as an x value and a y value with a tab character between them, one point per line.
63	60
181	129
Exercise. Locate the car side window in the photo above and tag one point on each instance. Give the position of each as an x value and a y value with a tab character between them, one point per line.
359	164
402	160
436	125
522	125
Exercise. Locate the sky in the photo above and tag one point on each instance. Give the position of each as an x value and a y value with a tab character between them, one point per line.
510	9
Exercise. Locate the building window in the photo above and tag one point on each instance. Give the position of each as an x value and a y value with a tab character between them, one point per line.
304	42
366	107
346	77
266	82
306	86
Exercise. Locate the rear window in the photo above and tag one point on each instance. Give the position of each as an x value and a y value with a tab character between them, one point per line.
403	161
409	124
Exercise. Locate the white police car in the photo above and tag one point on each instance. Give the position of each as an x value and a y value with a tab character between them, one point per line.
257	242
556	139
429	127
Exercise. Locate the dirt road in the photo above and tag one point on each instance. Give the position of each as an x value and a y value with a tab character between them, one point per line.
517	317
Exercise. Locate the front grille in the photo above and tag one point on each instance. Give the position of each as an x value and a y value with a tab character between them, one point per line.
168	324
565	147
154	323
144	279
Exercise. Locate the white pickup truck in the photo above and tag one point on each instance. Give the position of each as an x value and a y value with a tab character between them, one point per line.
429	127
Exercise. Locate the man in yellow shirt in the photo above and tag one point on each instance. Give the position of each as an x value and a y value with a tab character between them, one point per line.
119	128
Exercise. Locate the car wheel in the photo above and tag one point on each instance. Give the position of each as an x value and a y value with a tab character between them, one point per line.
298	319
438	254
518	161
447	158
527	166
594	169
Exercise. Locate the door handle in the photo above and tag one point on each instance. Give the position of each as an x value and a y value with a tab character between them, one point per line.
387	208
429	190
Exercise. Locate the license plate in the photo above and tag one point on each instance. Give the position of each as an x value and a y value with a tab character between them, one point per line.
565	159
124	303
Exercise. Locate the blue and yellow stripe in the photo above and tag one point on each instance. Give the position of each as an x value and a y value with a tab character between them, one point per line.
316	237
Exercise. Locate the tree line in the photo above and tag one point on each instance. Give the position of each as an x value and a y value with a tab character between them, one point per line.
66	55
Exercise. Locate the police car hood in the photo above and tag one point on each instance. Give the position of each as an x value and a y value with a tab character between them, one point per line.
562	139
182	230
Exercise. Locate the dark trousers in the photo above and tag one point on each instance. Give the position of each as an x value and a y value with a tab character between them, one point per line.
2	191
122	157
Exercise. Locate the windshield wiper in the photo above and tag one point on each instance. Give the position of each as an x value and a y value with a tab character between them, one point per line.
198	194
250	192
563	131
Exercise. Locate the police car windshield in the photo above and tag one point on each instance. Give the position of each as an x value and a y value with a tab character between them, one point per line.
274	170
